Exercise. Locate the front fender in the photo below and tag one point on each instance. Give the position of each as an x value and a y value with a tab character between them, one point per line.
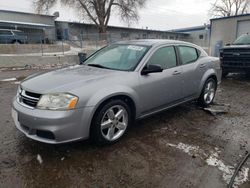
102	95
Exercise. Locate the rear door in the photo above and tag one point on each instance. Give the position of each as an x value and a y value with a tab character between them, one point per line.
193	69
159	90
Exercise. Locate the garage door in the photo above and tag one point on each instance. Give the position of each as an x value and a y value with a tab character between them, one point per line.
243	28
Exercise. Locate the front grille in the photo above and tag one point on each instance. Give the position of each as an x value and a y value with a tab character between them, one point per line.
45	134
29	99
236	57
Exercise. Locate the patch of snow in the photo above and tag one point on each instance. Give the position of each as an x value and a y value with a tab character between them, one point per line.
39	158
228	171
17	83
8	80
186	148
212	159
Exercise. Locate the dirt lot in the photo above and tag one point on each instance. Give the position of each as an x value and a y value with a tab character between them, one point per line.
182	147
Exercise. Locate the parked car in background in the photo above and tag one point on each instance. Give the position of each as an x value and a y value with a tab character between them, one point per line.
116	85
12	36
236	57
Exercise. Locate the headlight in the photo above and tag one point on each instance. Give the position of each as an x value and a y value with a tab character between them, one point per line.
57	101
19	90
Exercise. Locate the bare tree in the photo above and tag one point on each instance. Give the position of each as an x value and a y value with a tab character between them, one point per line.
223	8
98	11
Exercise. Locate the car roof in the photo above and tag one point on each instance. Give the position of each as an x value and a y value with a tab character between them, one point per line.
152	42
10	30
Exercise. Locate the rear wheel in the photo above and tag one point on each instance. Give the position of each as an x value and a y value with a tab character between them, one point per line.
110	122
208	93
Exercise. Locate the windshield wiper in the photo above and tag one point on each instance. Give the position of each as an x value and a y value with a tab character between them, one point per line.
98	66
241	44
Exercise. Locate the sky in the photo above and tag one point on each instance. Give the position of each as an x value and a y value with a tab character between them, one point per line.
157	14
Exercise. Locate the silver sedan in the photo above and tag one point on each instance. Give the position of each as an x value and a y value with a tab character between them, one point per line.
116	85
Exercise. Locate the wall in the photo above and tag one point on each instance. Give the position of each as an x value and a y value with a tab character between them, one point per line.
224	31
37	61
23	17
33	48
33	30
74	31
195	38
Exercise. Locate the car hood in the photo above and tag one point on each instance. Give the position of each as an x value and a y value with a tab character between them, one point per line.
63	80
236	46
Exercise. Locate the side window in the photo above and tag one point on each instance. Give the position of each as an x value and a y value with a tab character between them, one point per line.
165	57
188	54
3	32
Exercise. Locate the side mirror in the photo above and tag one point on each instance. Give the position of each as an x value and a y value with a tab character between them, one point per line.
228	44
82	57
151	69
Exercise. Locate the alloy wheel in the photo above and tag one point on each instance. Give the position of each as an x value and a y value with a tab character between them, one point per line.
114	122
209	92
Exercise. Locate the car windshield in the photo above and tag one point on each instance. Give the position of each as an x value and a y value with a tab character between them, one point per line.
243	40
118	57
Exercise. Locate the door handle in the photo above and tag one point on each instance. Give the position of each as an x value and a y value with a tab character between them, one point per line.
176	72
202	65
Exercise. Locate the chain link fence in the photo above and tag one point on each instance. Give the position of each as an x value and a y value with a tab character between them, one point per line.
29	43
73	43
95	41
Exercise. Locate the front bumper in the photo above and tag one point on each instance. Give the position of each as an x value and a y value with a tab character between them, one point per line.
227	68
53	127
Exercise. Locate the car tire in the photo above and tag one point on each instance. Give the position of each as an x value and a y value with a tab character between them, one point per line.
110	122
208	92
16	42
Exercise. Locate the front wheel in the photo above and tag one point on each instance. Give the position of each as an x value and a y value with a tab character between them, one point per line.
208	93
110	122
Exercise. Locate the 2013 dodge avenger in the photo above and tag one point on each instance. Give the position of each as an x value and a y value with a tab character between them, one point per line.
120	83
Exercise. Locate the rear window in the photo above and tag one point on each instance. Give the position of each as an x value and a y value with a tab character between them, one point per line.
188	54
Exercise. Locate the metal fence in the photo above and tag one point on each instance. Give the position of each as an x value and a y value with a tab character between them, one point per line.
32	43
44	44
96	40
92	41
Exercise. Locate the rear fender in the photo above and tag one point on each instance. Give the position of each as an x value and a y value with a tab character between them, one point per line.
209	73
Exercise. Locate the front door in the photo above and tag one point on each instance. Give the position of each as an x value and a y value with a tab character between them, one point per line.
159	90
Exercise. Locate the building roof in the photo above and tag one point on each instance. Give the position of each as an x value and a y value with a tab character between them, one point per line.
190	29
29	13
25	24
228	17
128	28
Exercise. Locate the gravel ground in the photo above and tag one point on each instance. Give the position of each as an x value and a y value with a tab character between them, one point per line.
182	147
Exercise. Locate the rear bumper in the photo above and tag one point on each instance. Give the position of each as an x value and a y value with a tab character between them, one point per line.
53	127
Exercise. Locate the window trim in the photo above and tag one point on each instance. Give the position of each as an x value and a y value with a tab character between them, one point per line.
165	46
198	53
